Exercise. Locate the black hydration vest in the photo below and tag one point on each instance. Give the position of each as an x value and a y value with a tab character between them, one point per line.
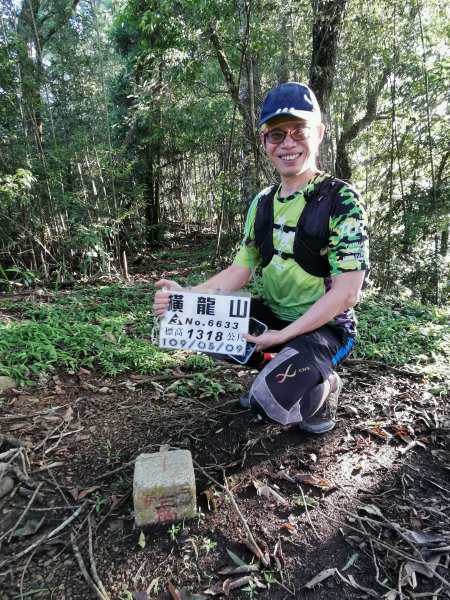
311	232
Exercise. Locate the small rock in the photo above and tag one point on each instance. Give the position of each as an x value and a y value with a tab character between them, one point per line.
104	390
6	383
6	485
116	525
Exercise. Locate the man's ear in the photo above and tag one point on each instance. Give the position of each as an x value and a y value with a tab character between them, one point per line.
262	139
320	132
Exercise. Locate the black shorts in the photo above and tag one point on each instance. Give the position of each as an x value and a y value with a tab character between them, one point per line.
281	390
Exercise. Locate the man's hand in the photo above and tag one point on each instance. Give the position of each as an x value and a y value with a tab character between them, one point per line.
162	297
268	339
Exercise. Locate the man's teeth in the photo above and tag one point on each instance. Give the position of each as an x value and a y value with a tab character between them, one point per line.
290	156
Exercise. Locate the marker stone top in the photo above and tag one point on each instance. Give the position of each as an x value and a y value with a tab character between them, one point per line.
164	487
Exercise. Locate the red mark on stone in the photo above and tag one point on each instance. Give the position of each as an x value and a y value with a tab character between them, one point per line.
165	513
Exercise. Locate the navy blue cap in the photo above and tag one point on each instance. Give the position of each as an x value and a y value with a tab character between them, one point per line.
294	99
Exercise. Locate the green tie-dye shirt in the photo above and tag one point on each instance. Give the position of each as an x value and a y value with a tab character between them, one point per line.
289	290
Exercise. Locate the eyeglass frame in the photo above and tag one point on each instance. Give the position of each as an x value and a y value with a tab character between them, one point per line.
267	133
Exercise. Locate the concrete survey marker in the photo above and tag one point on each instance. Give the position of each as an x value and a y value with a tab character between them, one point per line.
164	487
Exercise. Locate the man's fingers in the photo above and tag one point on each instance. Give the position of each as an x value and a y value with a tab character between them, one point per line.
169	284
162	282
161	302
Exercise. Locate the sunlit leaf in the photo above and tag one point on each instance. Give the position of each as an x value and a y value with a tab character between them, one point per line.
238	561
141	540
351	561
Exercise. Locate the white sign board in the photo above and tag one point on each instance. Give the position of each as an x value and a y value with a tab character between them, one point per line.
206	322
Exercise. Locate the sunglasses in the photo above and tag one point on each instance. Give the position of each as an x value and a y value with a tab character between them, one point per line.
276	136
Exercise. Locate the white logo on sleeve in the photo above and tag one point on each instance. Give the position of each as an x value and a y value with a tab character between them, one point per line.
350	228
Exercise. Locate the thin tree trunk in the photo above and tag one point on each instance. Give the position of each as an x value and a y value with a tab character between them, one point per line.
436	276
108	131
327	26
388	278
350	130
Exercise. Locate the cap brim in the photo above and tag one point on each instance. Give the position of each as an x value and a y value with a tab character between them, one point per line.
305	115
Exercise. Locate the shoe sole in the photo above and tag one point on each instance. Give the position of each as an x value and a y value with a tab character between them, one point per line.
316	429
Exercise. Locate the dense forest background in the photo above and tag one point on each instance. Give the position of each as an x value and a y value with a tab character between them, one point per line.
124	123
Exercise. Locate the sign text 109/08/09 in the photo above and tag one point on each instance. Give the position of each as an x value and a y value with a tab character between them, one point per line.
212	323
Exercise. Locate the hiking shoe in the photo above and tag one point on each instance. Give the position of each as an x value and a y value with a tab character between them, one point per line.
325	418
244	400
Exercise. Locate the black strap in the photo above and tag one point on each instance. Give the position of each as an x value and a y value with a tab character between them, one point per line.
287	228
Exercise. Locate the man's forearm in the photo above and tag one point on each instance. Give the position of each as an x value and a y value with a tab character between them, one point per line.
343	294
229	280
320	313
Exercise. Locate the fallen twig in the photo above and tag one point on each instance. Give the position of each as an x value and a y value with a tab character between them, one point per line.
427	479
47	437
8	468
12	441
22	577
226	489
114	471
381	365
9	453
45	537
47	467
60	437
305	504
93	566
389	547
23	515
125	465
99	594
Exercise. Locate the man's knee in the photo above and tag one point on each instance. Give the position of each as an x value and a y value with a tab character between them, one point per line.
278	390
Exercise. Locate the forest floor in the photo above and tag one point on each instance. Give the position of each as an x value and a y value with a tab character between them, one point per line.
360	512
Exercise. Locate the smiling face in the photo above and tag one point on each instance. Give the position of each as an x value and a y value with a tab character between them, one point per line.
294	160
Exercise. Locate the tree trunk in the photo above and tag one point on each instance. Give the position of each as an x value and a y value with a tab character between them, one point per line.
351	130
246	98
152	197
328	17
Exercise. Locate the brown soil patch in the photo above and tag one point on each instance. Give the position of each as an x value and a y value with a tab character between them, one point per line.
76	435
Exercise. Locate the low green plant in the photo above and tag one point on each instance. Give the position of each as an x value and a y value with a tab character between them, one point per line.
112	456
96	328
30	593
108	328
208	545
4	280
198	362
269	579
153	588
174	530
99	500
198	385
405	333
250	588
200	516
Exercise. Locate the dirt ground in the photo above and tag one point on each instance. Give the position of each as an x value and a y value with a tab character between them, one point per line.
369	500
